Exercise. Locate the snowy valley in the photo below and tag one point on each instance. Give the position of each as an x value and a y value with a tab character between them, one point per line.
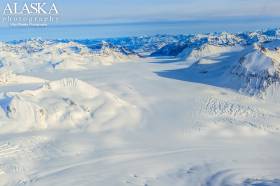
198	110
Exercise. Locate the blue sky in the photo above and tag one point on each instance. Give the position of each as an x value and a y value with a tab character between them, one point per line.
114	11
91	11
165	17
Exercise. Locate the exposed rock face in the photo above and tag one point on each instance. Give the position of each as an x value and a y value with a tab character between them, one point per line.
258	69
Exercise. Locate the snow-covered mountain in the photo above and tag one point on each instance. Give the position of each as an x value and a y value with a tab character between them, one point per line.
249	62
206	50
67	103
152	110
36	55
260	68
216	39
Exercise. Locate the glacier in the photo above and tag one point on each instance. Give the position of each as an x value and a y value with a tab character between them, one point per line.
199	109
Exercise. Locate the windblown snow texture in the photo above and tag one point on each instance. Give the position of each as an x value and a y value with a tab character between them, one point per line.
158	110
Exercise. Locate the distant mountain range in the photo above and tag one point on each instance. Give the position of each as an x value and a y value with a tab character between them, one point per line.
250	59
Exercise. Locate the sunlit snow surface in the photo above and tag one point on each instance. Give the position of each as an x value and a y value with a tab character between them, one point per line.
151	111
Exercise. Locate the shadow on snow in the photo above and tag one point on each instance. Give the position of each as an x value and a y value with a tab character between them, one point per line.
214	71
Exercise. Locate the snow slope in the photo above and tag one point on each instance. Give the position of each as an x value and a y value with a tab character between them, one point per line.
67	103
159	122
259	69
8	77
206	50
38	55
